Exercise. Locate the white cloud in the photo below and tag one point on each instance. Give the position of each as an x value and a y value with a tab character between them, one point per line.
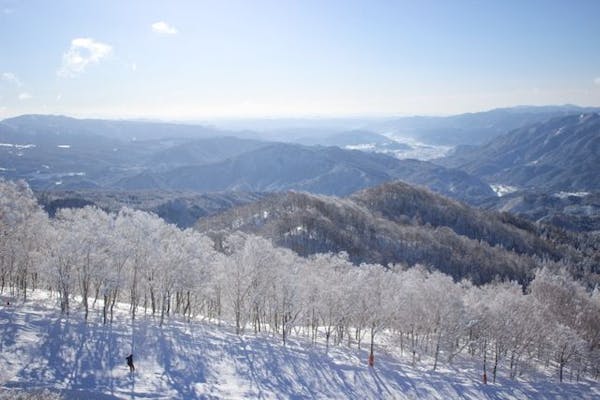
597	81
163	28
11	78
24	96
134	67
83	52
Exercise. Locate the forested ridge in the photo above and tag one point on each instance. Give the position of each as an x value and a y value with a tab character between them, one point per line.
87	257
398	223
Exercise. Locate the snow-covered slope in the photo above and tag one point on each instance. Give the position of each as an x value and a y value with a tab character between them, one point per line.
561	154
39	349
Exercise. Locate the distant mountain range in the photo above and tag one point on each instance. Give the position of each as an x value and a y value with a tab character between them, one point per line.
325	170
472	128
562	154
462	129
202	151
57	126
539	160
54	152
67	154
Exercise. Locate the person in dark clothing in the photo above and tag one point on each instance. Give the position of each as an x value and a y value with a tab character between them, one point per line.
129	359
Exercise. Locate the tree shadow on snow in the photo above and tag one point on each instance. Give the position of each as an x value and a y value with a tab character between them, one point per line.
183	365
72	356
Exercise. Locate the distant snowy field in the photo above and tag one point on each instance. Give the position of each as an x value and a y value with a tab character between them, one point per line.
40	350
418	150
414	150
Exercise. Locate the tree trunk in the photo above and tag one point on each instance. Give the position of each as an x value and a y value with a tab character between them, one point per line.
84	297
496	356
485	362
561	366
153	300
187	309
283	330
437	349
96	294
512	365
112	306
414	348
162	310
371	354
105	309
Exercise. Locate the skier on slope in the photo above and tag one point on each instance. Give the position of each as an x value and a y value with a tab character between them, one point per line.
129	359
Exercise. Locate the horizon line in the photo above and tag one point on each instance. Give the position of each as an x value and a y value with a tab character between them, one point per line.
198	119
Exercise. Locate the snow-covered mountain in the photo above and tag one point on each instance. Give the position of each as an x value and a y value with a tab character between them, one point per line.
472	128
577	211
60	153
323	170
562	154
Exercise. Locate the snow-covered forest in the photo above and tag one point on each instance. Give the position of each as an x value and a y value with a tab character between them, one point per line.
90	261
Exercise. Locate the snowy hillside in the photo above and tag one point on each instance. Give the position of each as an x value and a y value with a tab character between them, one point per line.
40	349
266	322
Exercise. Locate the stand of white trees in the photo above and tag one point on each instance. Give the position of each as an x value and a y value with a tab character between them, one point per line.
135	257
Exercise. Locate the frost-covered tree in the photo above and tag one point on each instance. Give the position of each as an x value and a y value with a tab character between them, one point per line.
329	304
243	256
570	316
62	261
89	238
143	231
443	312
23	226
378	289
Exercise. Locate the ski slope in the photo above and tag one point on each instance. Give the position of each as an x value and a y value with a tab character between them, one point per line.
40	349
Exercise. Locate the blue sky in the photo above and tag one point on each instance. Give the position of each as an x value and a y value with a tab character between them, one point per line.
213	59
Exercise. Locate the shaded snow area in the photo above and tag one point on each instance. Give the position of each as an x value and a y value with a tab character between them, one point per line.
39	350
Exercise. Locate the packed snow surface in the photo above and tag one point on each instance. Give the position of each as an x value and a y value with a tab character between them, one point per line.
39	349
